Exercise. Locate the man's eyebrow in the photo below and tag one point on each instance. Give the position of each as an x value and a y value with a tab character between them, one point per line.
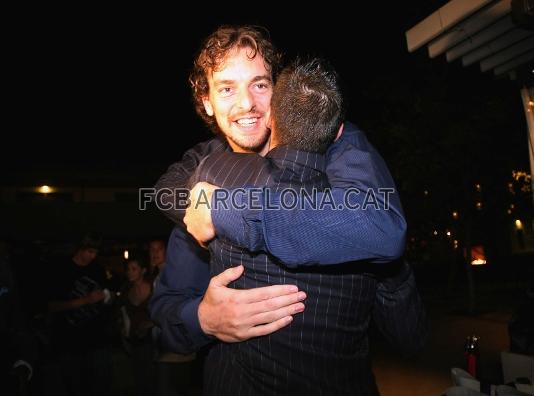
223	82
231	82
260	78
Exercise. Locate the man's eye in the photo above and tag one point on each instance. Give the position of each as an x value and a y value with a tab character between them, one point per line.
225	91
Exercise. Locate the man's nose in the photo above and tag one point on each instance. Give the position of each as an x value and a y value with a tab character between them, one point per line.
245	101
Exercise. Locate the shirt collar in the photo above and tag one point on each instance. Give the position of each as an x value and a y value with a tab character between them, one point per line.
305	159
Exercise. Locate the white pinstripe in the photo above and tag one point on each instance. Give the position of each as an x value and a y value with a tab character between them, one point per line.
319	340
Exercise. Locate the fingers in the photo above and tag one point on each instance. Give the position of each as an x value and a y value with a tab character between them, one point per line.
275	315
276	303
204	186
227	276
201	190
266	293
198	215
269	328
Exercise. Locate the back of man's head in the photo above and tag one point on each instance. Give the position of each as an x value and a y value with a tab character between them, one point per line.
307	105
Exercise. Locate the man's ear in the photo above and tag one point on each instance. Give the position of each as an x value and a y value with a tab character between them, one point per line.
208	107
340	131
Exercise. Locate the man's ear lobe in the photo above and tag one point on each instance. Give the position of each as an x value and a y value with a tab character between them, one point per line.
207	107
340	131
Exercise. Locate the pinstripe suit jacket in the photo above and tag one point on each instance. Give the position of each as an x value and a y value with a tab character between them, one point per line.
325	349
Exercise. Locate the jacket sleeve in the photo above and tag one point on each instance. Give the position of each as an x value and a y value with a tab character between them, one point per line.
185	277
398	310
360	218
178	174
178	292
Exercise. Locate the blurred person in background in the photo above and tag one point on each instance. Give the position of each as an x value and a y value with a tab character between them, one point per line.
156	251
173	370
81	322
136	323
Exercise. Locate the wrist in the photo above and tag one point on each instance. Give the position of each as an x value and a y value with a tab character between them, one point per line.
202	319
189	316
241	221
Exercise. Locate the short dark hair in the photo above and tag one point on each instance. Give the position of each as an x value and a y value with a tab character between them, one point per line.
157	239
214	51
91	240
140	257
307	105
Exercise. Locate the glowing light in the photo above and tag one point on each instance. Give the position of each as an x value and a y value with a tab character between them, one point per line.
426	192
518	175
478	256
448	233
518	225
456	243
455	215
435	233
479	205
478	187
45	189
126	254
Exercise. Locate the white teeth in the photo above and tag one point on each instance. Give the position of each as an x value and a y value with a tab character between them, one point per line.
247	121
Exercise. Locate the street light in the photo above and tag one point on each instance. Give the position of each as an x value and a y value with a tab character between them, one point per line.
44	189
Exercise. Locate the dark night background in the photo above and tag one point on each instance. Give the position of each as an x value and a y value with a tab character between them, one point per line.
99	97
102	99
106	91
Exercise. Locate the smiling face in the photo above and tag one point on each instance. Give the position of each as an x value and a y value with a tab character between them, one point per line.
239	98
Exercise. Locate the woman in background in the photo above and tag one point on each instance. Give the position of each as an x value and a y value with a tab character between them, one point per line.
136	323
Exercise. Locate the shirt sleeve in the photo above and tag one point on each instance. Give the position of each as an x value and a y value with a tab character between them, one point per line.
177	294
360	218
178	174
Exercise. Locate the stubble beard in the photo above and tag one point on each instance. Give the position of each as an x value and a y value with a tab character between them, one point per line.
255	144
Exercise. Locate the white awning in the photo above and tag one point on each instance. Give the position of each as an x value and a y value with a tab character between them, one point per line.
496	33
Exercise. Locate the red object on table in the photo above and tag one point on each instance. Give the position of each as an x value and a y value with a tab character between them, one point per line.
471	364
471	354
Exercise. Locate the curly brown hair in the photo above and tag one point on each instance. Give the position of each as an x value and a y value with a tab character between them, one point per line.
213	52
